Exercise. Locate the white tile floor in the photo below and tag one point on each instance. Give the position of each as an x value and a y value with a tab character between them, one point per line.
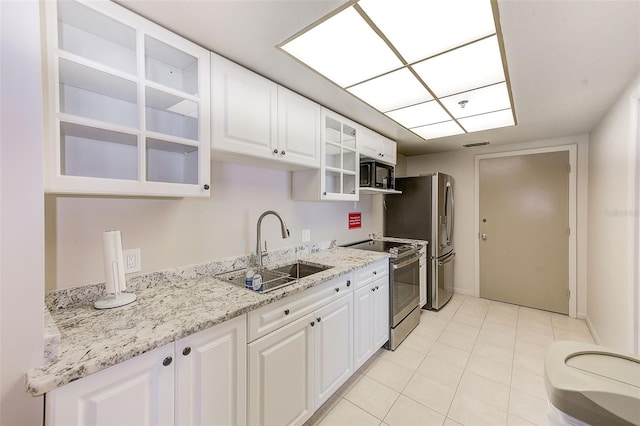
475	362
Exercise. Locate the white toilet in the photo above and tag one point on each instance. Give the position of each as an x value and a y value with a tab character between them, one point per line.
590	384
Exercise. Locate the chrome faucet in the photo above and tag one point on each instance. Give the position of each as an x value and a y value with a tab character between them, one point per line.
283	229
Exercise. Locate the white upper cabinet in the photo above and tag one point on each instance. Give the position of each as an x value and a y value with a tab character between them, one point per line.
256	118
299	133
244	110
127	105
376	146
337	178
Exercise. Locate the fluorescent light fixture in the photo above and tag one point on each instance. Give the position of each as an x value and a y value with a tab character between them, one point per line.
423	28
419	115
345	49
391	91
492	120
398	55
475	65
439	130
478	101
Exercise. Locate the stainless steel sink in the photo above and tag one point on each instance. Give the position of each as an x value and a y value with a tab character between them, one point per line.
275	278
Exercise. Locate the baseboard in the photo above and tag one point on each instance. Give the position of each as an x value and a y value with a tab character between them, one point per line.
592	329
464	292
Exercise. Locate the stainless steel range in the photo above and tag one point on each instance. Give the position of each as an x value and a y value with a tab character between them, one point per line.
404	286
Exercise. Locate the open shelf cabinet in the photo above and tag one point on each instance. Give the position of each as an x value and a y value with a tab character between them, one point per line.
127	105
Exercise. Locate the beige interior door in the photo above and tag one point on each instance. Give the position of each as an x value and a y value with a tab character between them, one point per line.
524	230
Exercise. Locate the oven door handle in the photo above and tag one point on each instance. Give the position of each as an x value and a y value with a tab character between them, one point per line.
414	258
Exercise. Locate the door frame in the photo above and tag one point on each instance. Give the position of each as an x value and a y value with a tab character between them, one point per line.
573	190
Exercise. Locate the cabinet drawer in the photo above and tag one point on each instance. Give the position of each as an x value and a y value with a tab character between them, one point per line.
369	273
271	317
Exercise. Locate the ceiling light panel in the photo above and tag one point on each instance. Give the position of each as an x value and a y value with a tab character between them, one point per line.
397	55
439	130
488	121
469	67
391	91
422	28
345	49
479	101
419	115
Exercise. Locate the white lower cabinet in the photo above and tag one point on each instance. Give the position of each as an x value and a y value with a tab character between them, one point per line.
281	375
211	375
206	385
139	391
371	319
333	347
302	349
294	369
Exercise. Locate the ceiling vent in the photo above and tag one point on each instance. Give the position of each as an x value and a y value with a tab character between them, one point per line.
473	145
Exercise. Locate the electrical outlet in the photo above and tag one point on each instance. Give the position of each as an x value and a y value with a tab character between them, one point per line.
306	235
132	261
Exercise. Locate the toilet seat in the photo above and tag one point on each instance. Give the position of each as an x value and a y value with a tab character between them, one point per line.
594	384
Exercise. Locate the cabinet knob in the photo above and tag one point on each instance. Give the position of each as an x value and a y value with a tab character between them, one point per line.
286	312
206	187
375	272
282	152
337	289
275	151
167	361
313	323
373	289
318	319
186	351
348	283
377	287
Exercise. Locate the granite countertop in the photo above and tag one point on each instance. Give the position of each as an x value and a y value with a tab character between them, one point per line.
91	340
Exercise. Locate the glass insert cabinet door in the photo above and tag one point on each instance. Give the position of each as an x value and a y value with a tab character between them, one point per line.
128	104
340	158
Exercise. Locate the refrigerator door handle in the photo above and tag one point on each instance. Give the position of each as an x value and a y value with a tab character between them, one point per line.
451	219
448	213
447	259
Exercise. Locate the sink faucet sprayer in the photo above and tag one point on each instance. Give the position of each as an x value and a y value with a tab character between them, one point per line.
283	229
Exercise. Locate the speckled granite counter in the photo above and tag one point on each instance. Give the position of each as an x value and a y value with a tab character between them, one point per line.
170	305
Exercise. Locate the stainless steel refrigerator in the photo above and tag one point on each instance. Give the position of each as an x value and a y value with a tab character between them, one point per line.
425	211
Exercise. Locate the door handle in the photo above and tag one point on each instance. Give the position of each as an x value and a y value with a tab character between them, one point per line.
483	236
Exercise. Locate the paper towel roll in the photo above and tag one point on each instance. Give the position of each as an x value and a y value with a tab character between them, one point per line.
113	262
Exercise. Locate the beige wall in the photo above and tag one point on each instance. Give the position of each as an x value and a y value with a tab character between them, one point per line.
613	218
461	165
21	212
179	232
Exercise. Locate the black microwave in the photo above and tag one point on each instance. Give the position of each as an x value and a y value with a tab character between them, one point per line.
374	174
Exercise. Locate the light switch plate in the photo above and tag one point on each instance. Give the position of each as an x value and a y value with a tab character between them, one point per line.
306	235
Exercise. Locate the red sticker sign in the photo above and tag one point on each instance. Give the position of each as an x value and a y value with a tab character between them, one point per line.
355	220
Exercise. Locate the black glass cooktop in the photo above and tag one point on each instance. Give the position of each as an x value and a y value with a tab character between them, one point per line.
375	245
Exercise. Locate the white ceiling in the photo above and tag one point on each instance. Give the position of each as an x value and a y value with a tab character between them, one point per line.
568	60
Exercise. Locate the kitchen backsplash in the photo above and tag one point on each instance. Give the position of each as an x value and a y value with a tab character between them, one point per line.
87	294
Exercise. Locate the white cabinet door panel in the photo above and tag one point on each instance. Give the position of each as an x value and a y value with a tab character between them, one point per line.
244	110
334	347
380	312
136	392
211	375
299	121
363	326
281	375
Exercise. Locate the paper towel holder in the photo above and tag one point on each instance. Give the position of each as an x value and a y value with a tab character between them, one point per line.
115	281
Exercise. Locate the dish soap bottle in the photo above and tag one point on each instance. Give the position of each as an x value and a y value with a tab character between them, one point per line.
257	282
248	278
